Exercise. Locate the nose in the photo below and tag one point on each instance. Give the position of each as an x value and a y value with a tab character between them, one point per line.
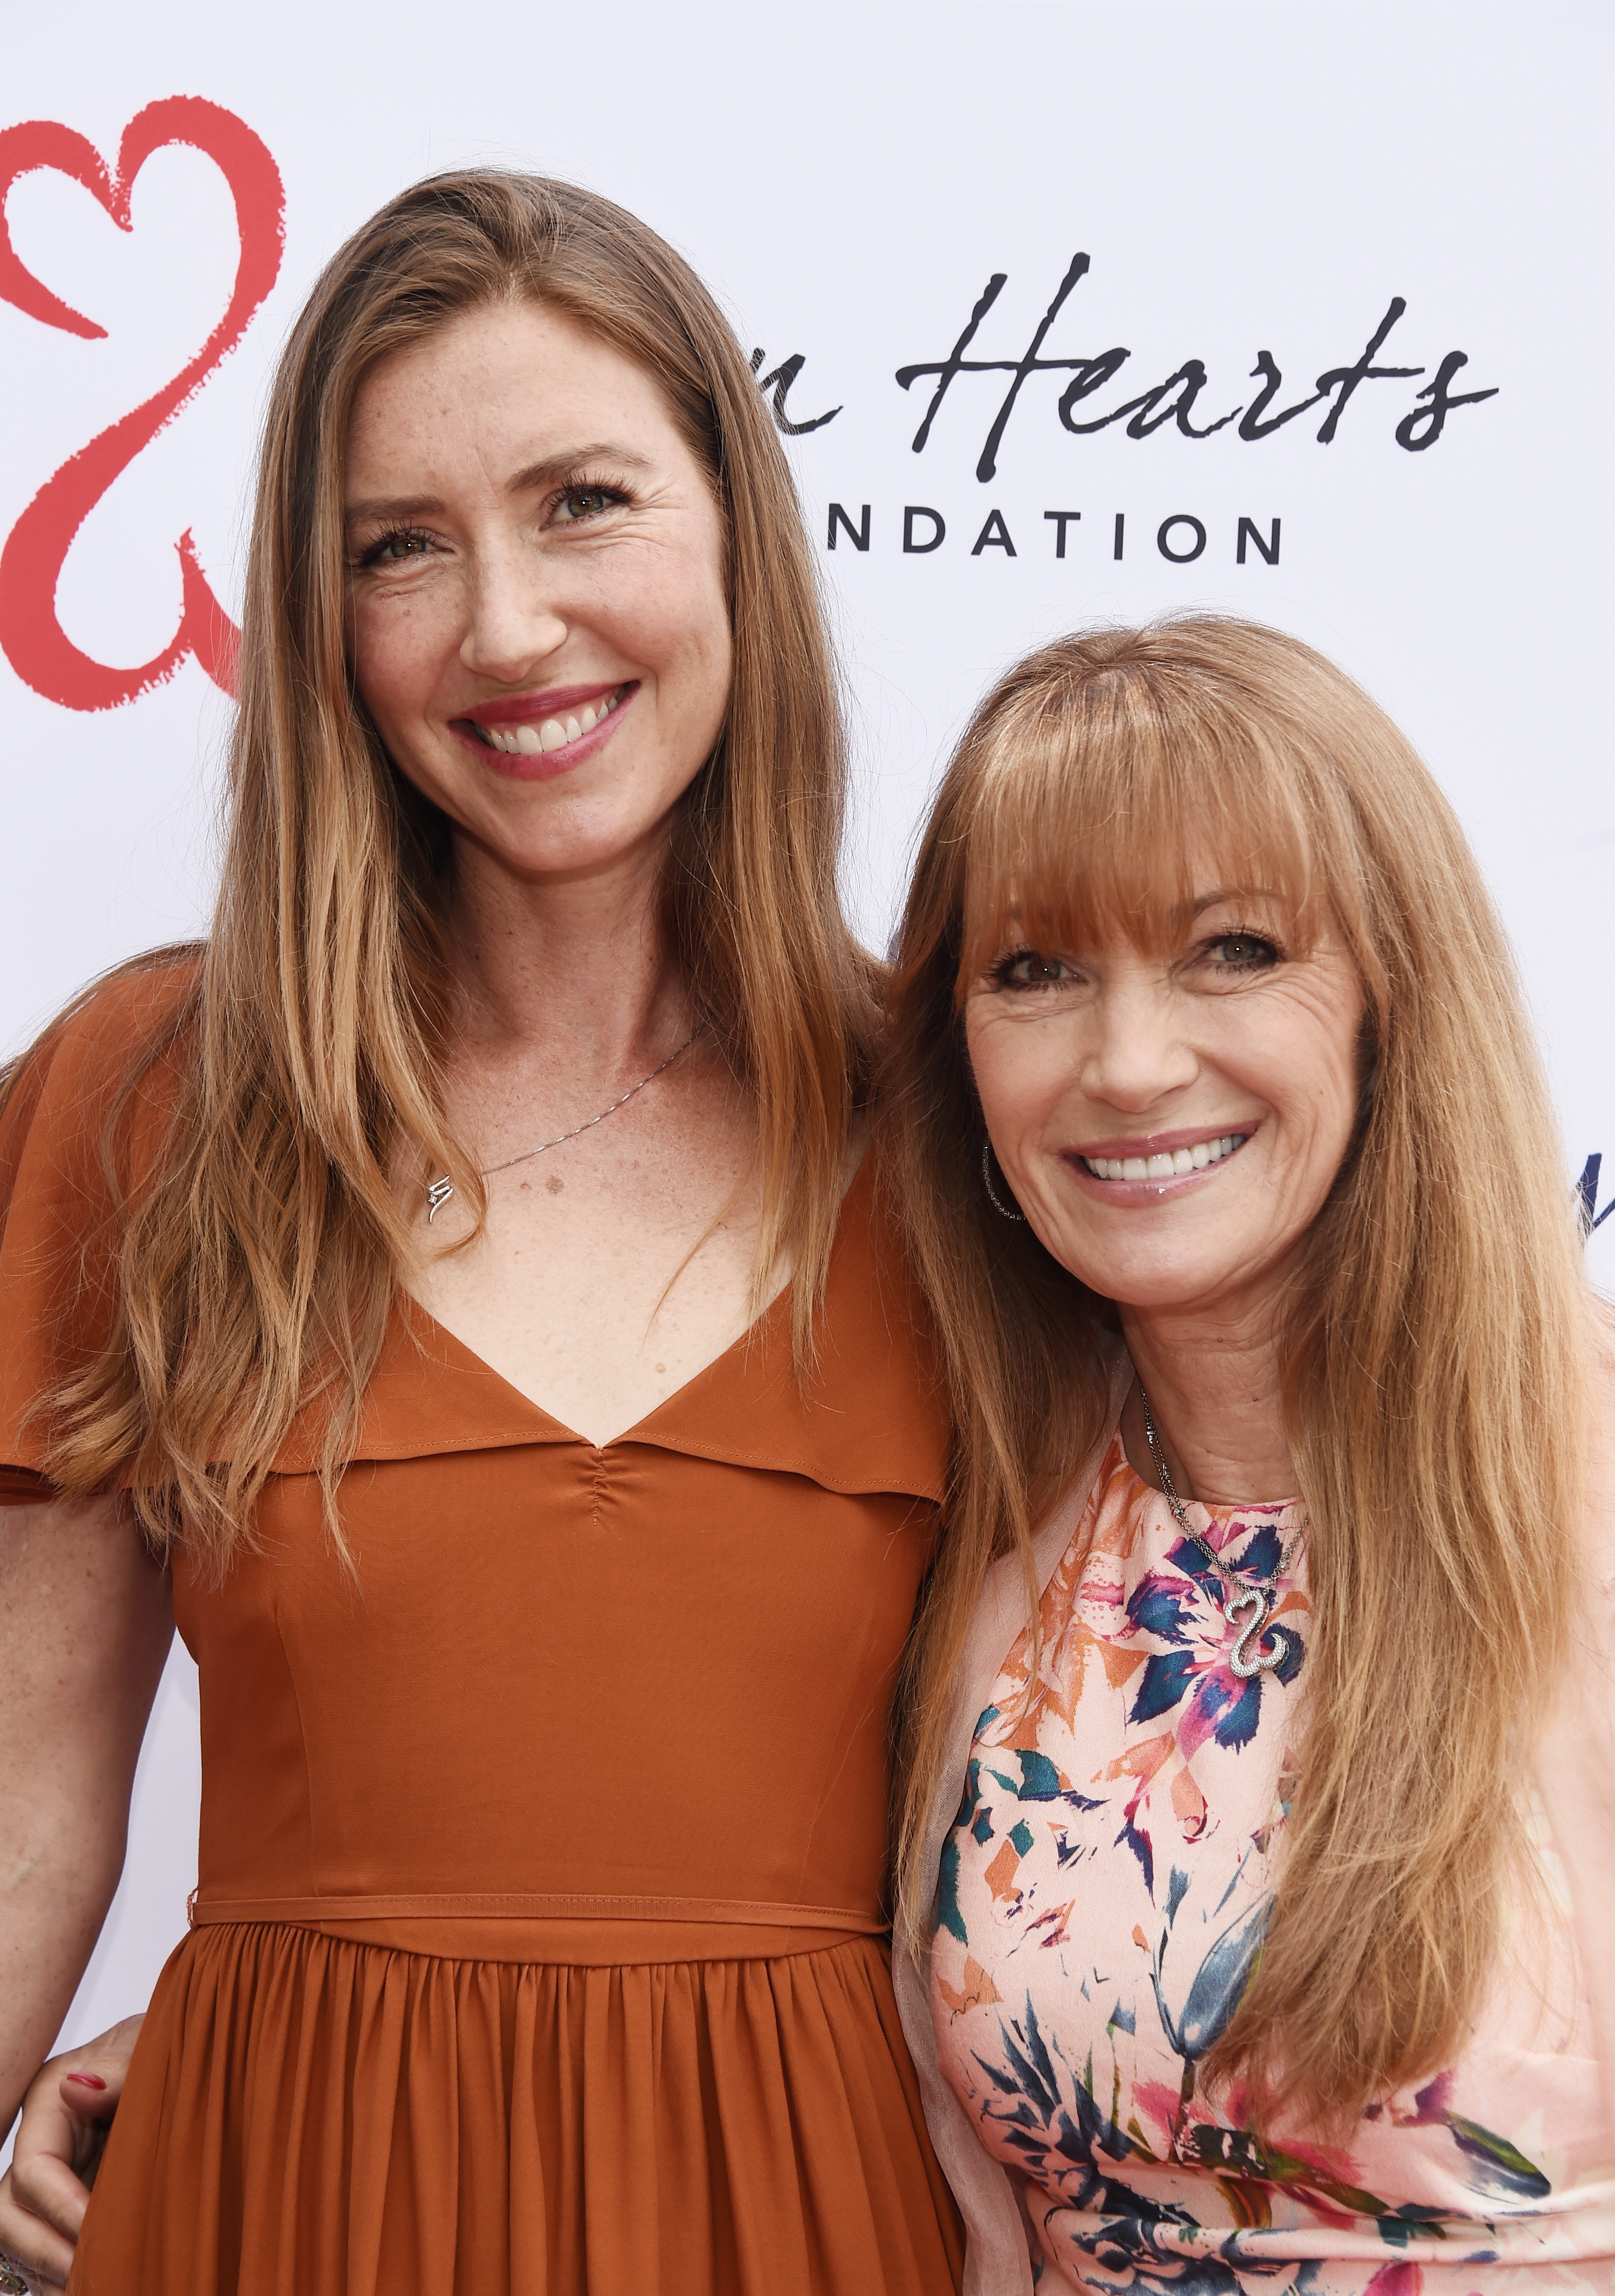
1136	1053
513	626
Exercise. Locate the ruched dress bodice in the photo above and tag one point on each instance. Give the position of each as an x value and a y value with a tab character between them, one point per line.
539	1941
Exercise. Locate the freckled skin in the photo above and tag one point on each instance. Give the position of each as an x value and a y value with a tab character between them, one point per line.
525	516
504	588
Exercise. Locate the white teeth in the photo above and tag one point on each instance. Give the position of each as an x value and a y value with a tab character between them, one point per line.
555	734
1162	1166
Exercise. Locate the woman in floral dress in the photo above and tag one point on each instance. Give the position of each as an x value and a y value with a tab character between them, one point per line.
1259	1883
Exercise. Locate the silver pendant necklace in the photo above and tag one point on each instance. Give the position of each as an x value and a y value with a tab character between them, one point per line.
439	1191
1249	1602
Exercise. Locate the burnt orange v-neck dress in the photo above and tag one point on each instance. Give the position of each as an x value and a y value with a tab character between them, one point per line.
538	1945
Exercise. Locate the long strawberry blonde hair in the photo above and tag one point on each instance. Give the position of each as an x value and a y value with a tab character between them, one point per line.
1437	1344
261	1258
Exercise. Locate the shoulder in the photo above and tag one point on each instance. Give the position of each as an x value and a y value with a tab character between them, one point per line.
104	1046
877	1323
117	1020
870	1413
83	1115
83	1108
875	1264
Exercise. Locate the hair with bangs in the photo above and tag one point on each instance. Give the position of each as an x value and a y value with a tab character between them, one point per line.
1437	1341
1144	781
261	1262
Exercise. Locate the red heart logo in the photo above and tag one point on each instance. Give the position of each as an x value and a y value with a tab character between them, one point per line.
33	640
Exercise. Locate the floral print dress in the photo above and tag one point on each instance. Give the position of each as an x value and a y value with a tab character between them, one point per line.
1104	1893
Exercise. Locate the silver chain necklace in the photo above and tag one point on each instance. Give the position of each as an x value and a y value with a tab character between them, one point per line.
1248	1604
439	1191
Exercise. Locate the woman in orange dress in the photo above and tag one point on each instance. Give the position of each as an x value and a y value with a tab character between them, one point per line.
452	1295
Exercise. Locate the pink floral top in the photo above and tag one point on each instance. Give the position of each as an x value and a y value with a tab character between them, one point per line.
1104	1893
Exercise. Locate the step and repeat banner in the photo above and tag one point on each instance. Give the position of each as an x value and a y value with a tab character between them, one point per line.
1068	311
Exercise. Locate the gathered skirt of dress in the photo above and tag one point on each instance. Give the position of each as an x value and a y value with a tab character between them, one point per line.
536	1940
342	2116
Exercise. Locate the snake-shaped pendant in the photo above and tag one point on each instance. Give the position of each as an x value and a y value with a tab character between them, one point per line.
1248	1611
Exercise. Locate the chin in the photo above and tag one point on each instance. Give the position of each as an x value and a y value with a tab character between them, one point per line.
1151	1290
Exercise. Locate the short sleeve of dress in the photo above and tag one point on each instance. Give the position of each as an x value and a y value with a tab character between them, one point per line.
74	1136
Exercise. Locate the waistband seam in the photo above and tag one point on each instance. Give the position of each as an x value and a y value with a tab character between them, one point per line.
500	1905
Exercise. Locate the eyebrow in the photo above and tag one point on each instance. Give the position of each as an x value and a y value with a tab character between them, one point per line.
543	472
1231	893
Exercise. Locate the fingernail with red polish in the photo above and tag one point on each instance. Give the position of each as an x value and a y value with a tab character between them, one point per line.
90	2081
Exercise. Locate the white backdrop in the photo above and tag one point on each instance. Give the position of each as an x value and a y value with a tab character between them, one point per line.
1244	178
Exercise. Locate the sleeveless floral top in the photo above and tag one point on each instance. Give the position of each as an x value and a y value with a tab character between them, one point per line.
1103	1894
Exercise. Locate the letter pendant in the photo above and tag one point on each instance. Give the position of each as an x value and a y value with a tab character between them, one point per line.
437	1195
1248	1611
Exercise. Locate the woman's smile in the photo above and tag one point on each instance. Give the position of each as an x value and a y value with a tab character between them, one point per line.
1088	1063
532	736
536	575
1143	1170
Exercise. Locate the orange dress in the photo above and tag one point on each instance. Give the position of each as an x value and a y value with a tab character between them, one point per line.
538	1945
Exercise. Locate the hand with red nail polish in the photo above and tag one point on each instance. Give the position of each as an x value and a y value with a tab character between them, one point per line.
61	2137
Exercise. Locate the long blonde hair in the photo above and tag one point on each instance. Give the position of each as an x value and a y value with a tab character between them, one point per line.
260	1260
1437	1350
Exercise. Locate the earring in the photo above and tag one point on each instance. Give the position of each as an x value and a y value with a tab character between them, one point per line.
1003	1210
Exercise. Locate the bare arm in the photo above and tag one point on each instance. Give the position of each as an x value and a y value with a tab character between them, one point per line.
86	1622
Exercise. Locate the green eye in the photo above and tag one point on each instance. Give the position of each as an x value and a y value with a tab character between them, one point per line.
397	547
587	501
1244	952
